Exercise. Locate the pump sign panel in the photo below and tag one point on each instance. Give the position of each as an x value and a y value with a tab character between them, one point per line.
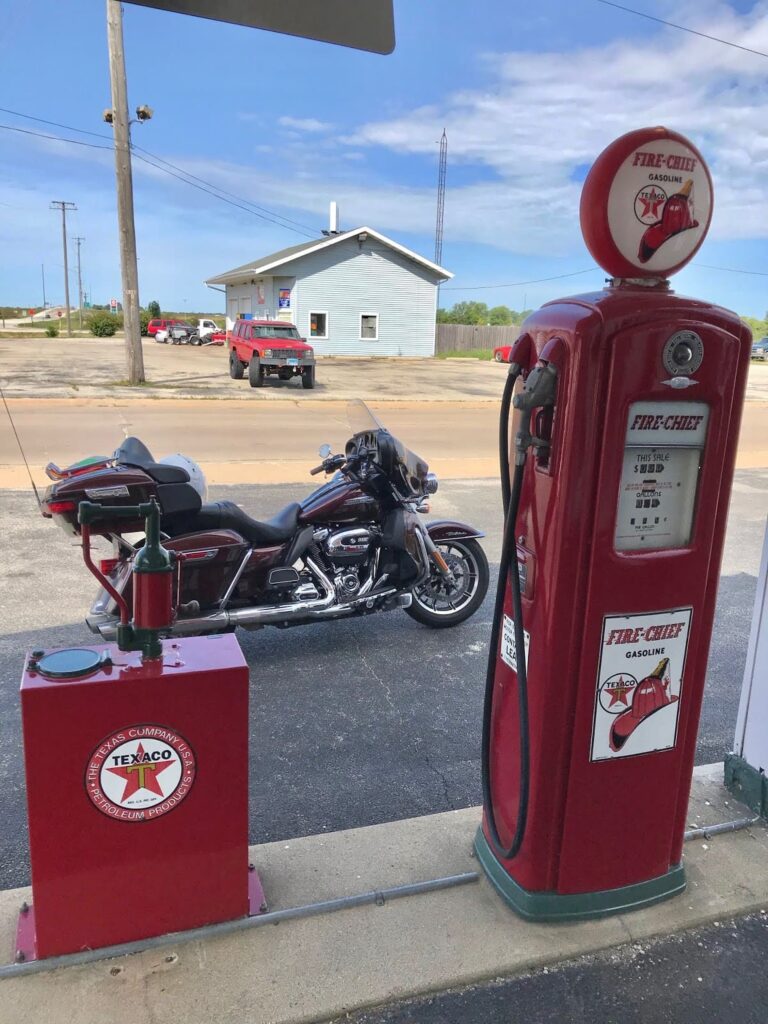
639	683
660	473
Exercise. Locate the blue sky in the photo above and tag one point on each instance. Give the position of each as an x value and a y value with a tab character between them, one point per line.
529	95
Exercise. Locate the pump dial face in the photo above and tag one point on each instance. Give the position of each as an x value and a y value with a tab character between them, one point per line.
646	204
683	353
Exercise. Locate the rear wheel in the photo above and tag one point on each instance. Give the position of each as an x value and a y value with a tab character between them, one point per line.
498	357
438	603
284	374
308	377
235	366
255	374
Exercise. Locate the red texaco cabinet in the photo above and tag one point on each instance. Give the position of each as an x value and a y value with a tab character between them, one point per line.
137	789
618	539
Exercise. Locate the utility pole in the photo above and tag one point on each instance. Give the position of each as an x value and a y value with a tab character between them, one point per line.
59	204
126	226
42	268
79	283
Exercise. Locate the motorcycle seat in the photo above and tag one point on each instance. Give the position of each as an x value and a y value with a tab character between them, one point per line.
226	515
133	452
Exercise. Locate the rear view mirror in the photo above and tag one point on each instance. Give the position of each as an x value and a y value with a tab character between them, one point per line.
325	451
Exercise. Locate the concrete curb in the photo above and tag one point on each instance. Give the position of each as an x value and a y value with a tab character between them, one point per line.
316	968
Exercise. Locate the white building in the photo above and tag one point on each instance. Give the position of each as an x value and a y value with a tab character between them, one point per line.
350	293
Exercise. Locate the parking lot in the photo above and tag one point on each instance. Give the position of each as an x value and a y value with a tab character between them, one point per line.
353	722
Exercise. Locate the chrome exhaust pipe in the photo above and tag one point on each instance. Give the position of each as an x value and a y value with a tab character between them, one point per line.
250	618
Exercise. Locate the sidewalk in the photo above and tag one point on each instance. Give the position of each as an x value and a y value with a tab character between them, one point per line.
324	966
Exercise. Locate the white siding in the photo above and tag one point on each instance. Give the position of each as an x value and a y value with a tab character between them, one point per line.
349	279
345	281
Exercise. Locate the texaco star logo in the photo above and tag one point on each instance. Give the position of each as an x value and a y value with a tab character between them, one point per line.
140	773
616	693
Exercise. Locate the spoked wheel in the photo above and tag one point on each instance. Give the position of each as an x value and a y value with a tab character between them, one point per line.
439	603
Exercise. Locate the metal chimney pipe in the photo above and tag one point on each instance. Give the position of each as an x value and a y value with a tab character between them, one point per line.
333	224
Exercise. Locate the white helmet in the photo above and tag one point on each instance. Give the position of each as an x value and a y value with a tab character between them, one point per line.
196	475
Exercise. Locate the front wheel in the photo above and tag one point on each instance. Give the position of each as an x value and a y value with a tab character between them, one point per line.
308	378
255	374
235	366
440	604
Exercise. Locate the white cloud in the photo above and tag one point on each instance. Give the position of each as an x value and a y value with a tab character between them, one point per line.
546	114
305	124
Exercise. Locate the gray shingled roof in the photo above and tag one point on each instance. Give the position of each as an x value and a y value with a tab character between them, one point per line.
255	265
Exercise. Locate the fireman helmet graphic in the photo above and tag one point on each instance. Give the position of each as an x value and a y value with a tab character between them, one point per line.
651	694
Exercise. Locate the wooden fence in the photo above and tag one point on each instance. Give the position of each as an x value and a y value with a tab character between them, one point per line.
463	337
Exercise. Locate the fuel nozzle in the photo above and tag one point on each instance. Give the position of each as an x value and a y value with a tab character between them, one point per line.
538	393
153	569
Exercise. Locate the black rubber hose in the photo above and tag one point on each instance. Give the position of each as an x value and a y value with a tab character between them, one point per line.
511	498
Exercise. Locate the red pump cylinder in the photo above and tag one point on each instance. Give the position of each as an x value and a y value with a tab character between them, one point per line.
629	418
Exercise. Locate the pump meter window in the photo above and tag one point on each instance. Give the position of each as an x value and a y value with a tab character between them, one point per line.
660	474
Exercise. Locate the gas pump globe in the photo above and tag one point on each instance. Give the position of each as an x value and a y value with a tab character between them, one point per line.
627	409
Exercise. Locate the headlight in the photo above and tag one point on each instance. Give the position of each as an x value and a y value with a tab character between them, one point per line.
431	485
309	352
267	352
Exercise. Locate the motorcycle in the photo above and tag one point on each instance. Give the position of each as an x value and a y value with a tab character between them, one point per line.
356	545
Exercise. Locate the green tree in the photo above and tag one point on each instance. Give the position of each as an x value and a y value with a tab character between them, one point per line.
144	317
500	316
469	313
153	308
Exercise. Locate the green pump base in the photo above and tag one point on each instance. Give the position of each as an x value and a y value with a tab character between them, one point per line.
553	906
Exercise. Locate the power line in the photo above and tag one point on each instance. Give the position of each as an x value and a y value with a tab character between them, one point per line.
232	195
519	284
224	199
56	138
683	28
268	215
731	270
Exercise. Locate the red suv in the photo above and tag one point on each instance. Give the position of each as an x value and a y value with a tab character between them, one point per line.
268	347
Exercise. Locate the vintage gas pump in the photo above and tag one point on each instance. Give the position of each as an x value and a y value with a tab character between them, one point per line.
136	758
628	403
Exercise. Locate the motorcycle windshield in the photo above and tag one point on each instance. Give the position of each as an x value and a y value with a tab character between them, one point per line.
361	418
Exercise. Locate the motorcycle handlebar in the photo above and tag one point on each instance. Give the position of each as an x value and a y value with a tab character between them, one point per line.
316	470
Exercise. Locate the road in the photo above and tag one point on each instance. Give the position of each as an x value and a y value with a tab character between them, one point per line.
352	722
249	442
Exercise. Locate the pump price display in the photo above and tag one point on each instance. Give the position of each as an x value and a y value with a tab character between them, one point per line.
660	473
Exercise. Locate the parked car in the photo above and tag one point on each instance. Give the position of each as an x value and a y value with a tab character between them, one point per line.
159	325
179	332
270	347
502	353
205	328
217	338
760	349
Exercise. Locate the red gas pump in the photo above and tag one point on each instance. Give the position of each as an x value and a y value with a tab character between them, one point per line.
136	758
628	403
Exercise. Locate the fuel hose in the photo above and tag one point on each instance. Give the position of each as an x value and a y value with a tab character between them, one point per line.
511	503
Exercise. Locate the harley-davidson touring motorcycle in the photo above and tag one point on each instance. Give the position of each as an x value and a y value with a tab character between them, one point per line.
356	545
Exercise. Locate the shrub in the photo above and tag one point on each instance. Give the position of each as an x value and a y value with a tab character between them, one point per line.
144	317
103	325
51	331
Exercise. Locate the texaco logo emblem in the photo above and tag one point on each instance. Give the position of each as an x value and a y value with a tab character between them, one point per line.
617	692
140	773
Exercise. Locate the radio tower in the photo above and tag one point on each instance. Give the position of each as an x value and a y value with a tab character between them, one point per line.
441	198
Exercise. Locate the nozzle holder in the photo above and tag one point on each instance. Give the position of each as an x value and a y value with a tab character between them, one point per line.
151	558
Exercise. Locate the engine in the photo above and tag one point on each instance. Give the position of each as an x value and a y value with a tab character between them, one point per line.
349	546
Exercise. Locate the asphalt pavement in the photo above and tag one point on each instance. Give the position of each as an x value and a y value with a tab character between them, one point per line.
709	975
353	722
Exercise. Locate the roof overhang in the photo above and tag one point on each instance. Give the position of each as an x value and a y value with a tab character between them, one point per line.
243	274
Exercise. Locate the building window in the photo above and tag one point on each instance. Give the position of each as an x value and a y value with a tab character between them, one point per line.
318	325
369	327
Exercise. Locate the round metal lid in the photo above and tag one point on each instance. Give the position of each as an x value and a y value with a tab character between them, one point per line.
646	204
69	664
